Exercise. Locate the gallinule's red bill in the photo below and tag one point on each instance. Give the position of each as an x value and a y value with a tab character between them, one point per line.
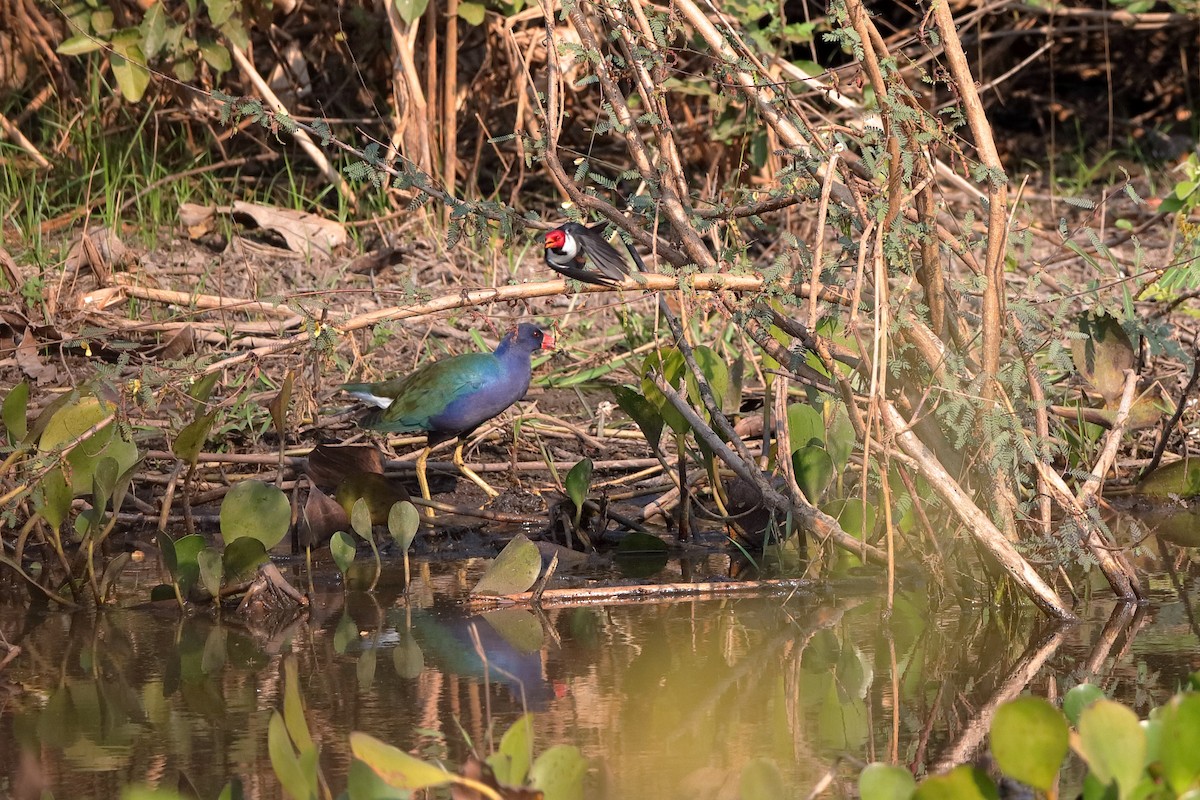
571	248
452	397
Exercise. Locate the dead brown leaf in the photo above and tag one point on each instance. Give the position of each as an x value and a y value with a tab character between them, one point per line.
30	360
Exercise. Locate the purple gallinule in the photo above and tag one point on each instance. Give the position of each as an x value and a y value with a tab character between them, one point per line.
451	398
571	247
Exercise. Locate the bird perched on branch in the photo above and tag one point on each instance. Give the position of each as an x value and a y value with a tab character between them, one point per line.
572	248
450	398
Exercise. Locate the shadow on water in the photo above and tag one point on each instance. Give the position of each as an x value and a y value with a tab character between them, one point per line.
666	700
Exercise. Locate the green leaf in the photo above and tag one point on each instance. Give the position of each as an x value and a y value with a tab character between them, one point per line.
166	546
403	522
805	426
1079	698
814	470
839	436
411	10
396	767
191	439
284	761
360	518
512	761
216	55
559	773
364	670
279	404
220	10
212	570
13	412
579	483
202	389
363	784
243	557
80	45
961	783
293	707
342	547
517	626
257	510
670	364
513	571
642	412
1179	751
54	498
1029	741
472	13
132	77
187	553
73	420
154	30
1113	744
885	782
714	370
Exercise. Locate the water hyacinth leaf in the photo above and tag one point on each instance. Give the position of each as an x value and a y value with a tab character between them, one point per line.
1079	698
410	10
342	547
403	522
512	761
364	670
805	426
761	780
187	553
1179	742
885	782
1181	479
242	558
257	510
345	633
839	436
293	707
514	570
191	439
1029	741
715	372
279	404
161	592
961	783
112	571
128	68
638	543
642	412
559	773
670	365
1113	744
360	518
74	420
471	13
813	467
287	766
407	657
212	570
363	782
396	767
104	481
579	483
13	412
166	546
54	497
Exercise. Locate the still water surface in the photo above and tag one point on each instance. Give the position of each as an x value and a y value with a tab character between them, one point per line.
667	700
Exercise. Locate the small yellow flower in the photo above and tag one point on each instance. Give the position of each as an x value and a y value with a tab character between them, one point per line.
87	348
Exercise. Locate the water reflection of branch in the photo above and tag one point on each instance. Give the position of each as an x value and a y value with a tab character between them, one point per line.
642	593
1119	622
1169	561
1018	678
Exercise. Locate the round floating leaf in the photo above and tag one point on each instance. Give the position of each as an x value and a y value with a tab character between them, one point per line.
1179	749
257	510
885	782
242	558
760	780
961	783
13	412
396	767
342	547
513	571
1079	698
407	658
1113	744
1029	741
212	570
805	426
403	522
559	773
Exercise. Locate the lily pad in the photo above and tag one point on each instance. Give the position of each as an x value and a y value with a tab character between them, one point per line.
1029	741
242	558
885	782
